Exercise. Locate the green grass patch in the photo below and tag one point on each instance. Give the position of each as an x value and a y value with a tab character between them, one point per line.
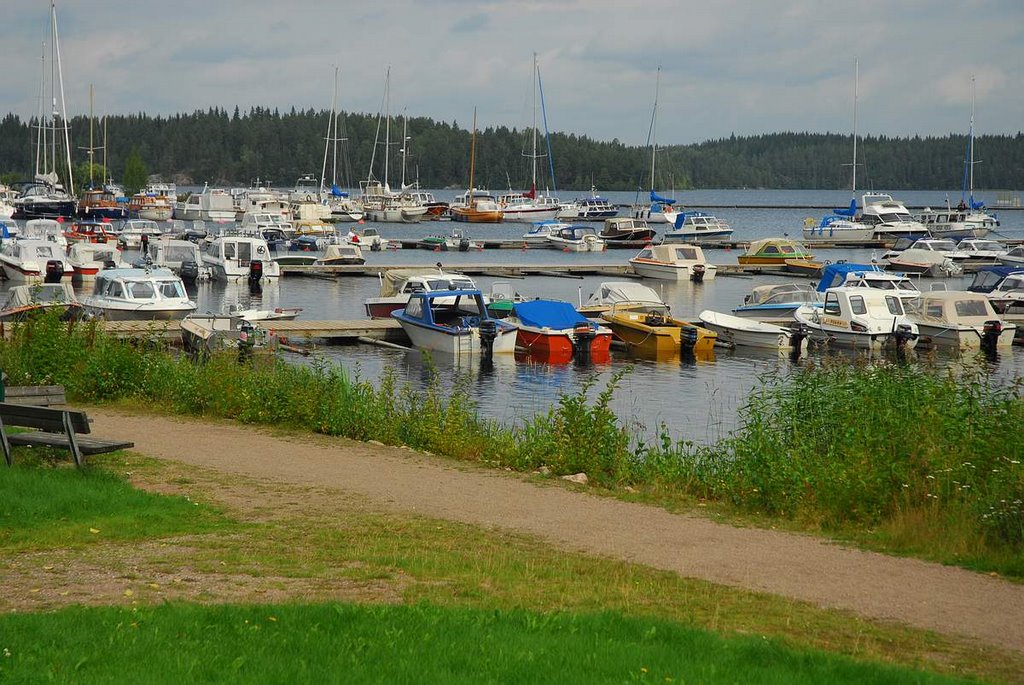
44	506
421	643
902	458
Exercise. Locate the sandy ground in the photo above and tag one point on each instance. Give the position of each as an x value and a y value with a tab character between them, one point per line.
924	595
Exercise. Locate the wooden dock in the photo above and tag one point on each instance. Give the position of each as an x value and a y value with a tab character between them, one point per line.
506	270
342	331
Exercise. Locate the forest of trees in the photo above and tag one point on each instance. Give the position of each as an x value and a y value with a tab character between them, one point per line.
236	148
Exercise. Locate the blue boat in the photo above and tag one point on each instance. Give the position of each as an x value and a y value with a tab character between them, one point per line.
455	323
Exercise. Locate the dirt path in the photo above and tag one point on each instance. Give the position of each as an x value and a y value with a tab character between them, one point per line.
917	593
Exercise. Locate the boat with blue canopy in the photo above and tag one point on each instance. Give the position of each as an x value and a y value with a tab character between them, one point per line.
553	331
455	323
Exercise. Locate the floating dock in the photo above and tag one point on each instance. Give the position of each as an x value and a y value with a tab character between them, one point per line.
341	331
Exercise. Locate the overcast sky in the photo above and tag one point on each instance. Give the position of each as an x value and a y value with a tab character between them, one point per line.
739	66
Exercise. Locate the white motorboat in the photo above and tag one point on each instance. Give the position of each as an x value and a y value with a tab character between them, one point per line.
340	254
745	332
924	262
1014	257
626	230
860	319
182	257
982	249
1003	285
619	294
88	259
370	238
130	237
240	258
539	233
961	320
456	241
212	204
775	303
690	227
593	208
251	314
676	262
45	229
28	260
138	294
957	222
576	239
398	285
255	223
455	323
947	248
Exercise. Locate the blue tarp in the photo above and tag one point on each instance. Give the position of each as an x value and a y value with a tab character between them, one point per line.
831	271
338	192
658	198
852	211
552	314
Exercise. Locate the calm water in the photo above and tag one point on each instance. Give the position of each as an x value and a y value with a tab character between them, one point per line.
696	401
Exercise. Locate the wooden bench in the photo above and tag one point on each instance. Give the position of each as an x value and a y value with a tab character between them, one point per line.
36	395
54	428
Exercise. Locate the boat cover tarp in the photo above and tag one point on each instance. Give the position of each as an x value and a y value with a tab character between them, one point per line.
851	211
552	314
663	200
831	271
44	293
338	192
394	278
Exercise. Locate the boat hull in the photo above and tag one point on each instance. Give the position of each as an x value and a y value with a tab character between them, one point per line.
476	216
747	333
458	343
962	338
670	272
558	346
657	340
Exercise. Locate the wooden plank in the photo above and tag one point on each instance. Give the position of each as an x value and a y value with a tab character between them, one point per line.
87	446
35	395
42	418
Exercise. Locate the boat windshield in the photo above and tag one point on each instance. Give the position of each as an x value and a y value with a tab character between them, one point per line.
171	289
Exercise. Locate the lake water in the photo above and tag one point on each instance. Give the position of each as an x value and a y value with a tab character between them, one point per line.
696	401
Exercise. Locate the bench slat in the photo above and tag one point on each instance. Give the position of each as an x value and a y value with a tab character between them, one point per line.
36	395
42	418
86	445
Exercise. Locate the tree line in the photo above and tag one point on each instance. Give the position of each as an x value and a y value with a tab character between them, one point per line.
237	148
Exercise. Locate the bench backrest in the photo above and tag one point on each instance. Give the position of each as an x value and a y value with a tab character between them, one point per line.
39	395
42	418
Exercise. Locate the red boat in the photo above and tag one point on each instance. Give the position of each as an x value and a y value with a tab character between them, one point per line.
554	332
91	232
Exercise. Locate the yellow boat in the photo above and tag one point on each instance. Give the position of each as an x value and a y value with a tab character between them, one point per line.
650	332
774	251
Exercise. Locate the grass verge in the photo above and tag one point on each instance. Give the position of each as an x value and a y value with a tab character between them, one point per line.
421	643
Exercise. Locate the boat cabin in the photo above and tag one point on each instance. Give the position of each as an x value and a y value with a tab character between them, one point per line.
453	308
773	251
849	303
672	254
955	307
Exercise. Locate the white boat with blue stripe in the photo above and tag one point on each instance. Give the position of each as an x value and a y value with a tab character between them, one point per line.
455	323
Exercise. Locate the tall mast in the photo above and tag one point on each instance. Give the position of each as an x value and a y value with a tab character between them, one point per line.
106	169
63	103
387	126
41	123
472	161
92	148
405	143
533	158
330	123
971	144
654	124
856	86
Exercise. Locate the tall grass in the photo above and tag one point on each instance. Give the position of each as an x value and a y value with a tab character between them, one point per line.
920	460
400	644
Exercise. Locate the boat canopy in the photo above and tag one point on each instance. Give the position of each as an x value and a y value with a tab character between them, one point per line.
662	200
612	292
338	192
40	293
851	211
834	274
986	279
552	314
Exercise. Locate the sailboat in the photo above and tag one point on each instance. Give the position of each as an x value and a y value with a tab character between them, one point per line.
380	203
98	202
660	209
529	206
46	197
343	208
968	219
477	207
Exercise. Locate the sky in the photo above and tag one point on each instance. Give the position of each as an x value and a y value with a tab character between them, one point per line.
727	67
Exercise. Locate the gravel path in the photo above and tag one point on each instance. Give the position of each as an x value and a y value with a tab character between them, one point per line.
921	594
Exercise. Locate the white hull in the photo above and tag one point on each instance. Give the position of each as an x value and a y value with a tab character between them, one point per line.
232	273
465	345
112	311
963	338
156	213
697	236
576	246
529	215
671	272
839	233
747	333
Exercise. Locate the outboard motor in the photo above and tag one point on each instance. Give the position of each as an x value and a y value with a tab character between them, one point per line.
797	336
990	333
697	273
189	271
375	246
464	245
109	264
54	271
583	335
902	335
688	337
488	334
255	276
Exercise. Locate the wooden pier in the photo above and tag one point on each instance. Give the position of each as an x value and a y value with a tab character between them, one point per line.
341	331
506	270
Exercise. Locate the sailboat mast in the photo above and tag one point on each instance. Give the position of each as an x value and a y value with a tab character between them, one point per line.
63	102
472	161
387	126
654	124
330	123
41	123
971	145
405	143
92	147
334	135
533	156
106	169
856	86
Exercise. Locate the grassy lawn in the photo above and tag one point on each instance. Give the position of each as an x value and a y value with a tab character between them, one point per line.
419	643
